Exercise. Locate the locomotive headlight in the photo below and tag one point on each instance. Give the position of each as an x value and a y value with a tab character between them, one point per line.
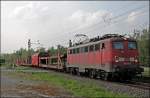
118	59
121	58
136	59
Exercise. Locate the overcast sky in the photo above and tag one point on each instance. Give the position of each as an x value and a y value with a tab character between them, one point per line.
54	23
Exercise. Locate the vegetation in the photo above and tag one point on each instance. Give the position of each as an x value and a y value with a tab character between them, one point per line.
2	61
77	88
146	72
61	49
19	54
144	46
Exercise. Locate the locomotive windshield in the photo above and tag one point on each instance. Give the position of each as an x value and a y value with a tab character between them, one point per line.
118	45
132	45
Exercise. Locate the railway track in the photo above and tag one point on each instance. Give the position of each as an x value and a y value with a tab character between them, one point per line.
140	85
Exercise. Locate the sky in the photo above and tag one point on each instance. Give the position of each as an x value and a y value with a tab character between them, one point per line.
57	22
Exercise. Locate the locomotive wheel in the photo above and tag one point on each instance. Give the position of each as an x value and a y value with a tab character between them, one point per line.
87	72
92	73
104	75
77	72
110	77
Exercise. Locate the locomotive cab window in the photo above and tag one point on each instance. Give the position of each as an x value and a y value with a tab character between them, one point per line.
77	50
74	51
91	47
82	49
132	45
97	47
118	45
86	49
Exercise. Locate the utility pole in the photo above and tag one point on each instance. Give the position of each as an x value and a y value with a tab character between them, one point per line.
29	49
29	44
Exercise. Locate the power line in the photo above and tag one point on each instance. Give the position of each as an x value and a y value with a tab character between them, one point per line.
118	16
104	26
111	19
121	8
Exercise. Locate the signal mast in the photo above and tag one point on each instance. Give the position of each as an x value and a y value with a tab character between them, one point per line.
29	48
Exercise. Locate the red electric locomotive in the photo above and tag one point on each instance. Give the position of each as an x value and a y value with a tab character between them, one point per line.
107	57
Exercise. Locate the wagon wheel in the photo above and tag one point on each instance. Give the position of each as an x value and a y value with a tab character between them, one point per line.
71	70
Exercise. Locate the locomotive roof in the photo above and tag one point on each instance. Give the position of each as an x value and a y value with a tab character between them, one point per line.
97	40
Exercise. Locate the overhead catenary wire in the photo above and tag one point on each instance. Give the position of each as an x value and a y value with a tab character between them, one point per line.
102	23
115	22
113	18
115	10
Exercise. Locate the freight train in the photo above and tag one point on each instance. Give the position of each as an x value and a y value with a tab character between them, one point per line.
111	56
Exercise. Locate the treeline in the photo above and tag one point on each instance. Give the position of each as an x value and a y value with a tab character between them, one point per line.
143	39
23	54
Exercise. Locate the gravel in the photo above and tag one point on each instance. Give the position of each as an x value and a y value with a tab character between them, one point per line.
21	88
110	86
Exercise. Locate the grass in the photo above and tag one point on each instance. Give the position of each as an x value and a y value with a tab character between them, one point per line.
22	68
6	65
77	88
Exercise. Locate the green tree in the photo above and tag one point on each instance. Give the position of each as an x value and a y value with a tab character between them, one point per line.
52	51
144	46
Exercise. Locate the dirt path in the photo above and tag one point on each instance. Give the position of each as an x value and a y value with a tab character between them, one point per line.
16	87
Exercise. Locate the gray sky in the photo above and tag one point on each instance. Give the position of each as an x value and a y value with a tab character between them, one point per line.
54	23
